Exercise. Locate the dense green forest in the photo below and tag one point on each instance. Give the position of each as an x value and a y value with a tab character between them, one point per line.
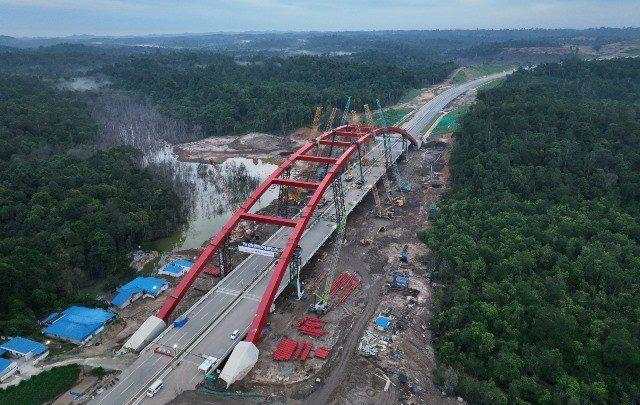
69	215
42	388
265	94
539	240
62	60
461	43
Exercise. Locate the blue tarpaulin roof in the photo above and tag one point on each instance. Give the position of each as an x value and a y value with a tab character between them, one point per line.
383	322
177	267
401	280
76	324
20	346
4	365
145	285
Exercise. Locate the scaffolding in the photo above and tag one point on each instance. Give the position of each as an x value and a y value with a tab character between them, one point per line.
392	167
341	221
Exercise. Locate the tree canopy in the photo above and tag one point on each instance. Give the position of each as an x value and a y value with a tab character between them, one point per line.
265	93
69	215
538	240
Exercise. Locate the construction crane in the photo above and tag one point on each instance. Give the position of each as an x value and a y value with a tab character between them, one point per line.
369	115
315	125
324	295
332	118
402	185
345	113
345	119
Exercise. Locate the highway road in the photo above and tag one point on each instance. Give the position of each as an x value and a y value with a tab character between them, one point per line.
427	113
231	304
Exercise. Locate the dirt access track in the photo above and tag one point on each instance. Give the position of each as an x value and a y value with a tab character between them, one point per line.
253	145
402	369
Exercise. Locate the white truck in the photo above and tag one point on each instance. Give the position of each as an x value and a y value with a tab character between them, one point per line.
208	362
155	387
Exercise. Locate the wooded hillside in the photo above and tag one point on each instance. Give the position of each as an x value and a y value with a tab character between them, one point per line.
68	215
539	240
265	94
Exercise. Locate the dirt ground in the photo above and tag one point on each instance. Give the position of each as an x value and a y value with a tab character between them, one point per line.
424	97
405	358
372	251
252	145
401	371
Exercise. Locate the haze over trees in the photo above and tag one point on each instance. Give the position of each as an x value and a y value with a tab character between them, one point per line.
539	240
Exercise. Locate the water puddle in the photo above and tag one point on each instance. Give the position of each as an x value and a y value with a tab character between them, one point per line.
210	192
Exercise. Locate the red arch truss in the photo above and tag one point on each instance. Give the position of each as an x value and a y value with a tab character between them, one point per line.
347	139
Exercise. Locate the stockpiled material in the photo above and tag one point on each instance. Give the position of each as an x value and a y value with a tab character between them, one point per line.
290	349
343	286
312	326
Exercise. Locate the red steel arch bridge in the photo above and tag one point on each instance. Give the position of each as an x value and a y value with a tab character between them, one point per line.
332	152
241	300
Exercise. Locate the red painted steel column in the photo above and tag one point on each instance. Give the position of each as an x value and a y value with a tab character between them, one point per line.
260	318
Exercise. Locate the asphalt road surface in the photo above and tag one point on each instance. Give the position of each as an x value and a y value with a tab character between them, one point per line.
231	304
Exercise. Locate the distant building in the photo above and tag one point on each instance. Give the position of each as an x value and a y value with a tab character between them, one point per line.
176	268
138	287
78	324
23	347
7	369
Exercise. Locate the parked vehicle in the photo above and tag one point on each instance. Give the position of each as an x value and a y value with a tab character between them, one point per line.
180	322
233	335
208	362
154	388
166	351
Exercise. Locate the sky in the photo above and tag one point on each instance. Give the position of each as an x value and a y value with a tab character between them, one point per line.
25	18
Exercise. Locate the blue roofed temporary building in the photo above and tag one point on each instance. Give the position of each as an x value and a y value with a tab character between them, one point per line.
383	322
139	287
176	268
78	324
23	347
7	369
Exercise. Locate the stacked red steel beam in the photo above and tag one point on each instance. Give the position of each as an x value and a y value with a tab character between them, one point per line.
322	352
343	286
289	349
312	326
285	349
306	350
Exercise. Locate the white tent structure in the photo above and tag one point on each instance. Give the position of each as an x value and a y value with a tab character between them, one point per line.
148	331
241	361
